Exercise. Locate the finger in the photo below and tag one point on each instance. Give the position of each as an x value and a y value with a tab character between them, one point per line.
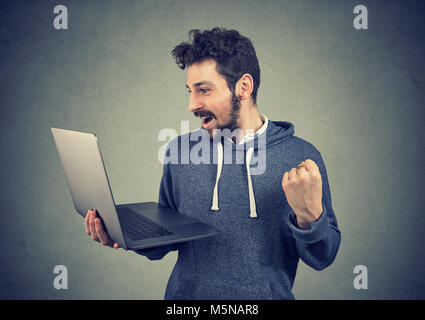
312	167
301	169
285	180
292	174
302	174
88	217
86	221
93	227
302	164
285	177
104	238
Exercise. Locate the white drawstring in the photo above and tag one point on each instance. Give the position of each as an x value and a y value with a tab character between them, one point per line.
219	166
253	211
252	207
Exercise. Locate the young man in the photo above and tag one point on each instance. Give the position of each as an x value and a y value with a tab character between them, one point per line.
268	220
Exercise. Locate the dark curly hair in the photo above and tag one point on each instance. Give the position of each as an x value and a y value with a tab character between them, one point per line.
234	54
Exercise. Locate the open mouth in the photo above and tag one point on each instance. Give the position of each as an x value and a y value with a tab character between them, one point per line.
205	120
205	116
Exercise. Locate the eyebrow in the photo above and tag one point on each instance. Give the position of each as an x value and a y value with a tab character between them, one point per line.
198	84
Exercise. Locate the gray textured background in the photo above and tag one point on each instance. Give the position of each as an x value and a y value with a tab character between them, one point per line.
358	96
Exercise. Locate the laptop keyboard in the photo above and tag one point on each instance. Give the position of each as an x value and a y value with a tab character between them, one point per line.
137	227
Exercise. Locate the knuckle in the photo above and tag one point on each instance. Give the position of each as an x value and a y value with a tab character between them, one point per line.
316	177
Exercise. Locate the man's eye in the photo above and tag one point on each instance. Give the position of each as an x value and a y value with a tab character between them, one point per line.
204	90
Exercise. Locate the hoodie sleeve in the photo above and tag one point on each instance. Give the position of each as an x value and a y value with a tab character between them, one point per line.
165	199
318	245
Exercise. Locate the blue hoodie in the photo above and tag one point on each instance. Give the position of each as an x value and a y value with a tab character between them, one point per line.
257	253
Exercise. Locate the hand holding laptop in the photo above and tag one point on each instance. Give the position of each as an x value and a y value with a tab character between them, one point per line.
95	228
133	226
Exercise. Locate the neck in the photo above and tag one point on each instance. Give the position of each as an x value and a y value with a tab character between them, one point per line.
249	121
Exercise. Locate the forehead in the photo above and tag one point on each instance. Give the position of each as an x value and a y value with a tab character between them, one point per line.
205	71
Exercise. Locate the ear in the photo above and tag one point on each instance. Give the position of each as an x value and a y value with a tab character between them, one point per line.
244	86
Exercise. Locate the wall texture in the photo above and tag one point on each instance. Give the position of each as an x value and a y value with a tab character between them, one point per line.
357	95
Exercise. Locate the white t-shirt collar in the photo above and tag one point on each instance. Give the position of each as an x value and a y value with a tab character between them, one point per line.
251	135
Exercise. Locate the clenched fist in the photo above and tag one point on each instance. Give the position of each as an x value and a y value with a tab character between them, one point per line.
303	189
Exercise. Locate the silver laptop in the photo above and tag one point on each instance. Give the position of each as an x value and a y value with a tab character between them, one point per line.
132	226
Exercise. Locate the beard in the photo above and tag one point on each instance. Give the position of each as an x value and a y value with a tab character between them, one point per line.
235	105
234	114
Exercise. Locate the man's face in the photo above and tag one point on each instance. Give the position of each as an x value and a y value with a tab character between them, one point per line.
211	98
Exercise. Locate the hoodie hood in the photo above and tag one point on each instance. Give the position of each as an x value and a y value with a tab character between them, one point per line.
276	132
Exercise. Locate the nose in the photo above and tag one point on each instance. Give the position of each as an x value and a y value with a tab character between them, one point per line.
195	104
